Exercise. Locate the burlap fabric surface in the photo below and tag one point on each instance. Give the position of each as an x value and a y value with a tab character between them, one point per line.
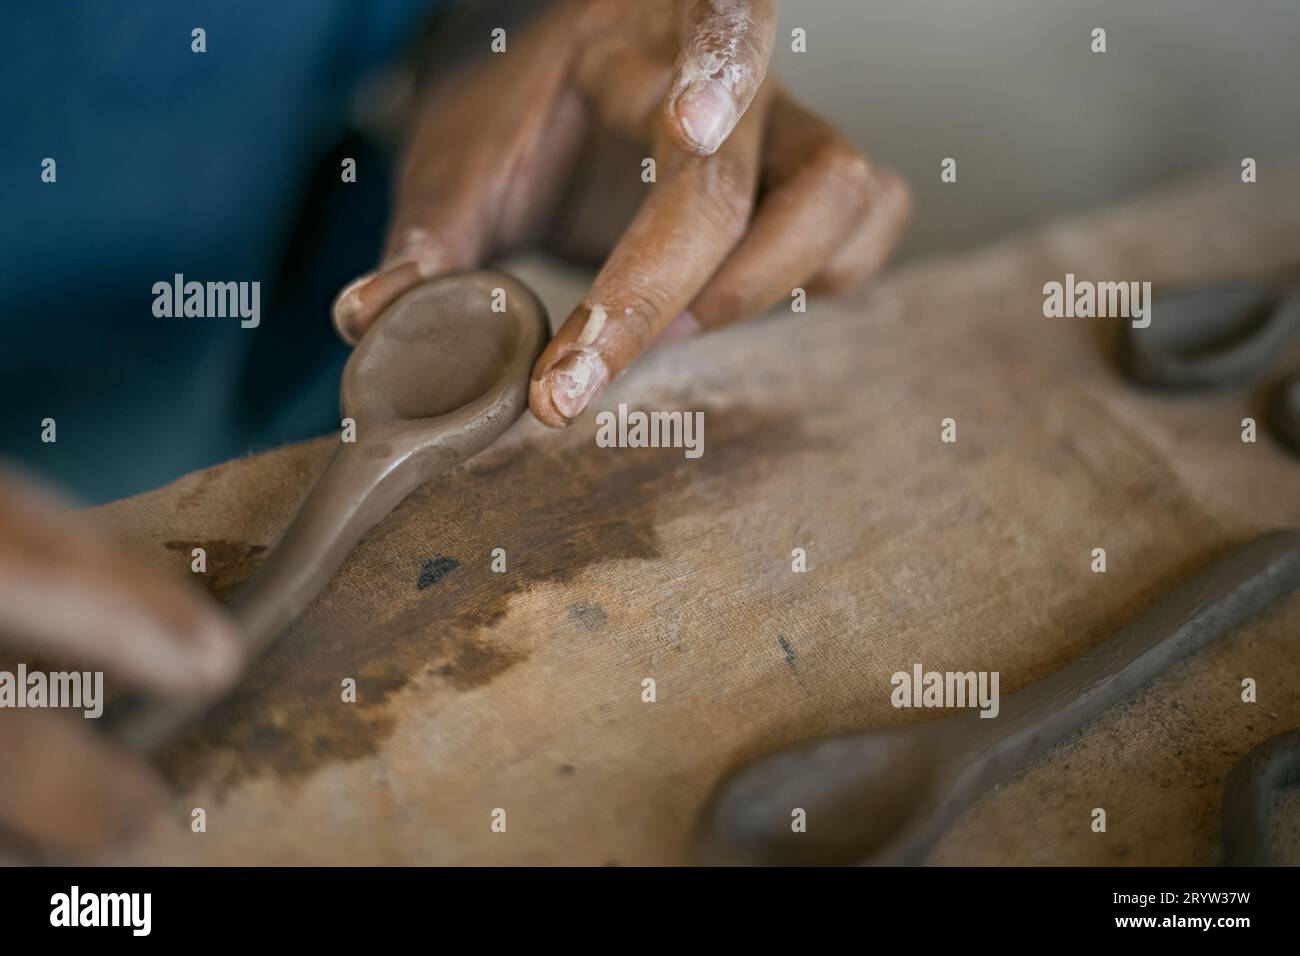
522	690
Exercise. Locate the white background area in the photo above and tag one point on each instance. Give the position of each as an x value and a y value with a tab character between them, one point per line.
1039	125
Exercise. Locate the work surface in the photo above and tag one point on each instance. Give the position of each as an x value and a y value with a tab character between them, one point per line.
523	690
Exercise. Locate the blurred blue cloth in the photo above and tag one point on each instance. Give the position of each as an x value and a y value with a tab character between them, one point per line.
222	166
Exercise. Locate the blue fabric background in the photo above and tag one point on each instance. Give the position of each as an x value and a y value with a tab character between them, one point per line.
223	166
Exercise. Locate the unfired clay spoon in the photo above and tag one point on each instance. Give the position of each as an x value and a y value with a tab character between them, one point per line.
1211	336
1248	799
886	797
438	378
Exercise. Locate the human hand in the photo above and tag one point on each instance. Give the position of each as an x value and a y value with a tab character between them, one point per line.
753	195
73	601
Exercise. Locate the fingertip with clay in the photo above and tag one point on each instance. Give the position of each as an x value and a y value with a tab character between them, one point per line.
362	300
562	388
348	308
703	116
559	394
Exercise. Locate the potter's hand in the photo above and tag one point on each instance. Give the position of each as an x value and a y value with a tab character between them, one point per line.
752	196
70	600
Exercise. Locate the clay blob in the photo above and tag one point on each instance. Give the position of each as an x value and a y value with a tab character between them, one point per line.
1248	799
1285	420
886	797
436	379
1203	338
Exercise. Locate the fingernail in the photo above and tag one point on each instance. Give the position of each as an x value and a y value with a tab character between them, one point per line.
363	299
574	381
707	113
347	307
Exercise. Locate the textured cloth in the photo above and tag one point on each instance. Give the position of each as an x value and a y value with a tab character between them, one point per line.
522	690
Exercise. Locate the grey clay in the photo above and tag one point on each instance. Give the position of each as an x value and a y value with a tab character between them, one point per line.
437	379
886	797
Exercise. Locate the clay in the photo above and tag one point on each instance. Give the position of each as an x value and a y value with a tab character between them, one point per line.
886	797
1216	335
285	723
1248	799
1219	335
1285	417
436	379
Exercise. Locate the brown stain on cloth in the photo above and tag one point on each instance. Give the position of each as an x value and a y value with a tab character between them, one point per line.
229	563
556	510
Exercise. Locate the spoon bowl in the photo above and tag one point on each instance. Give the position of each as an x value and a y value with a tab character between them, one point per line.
442	349
863	797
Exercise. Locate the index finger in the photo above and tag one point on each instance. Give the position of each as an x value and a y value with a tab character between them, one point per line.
684	230
722	58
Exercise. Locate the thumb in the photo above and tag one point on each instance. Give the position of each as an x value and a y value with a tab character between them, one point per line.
427	239
483	163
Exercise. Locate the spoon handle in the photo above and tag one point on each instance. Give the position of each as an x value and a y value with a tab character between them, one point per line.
1210	603
362	483
888	797
1248	799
